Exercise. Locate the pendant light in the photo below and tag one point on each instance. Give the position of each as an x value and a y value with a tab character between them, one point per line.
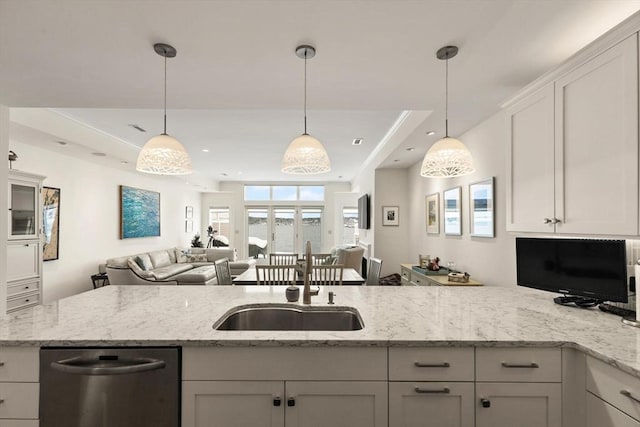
305	154
163	154
448	157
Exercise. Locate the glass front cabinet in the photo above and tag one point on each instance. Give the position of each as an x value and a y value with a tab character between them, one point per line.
24	245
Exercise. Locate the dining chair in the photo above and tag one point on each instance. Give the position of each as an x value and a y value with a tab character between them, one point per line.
276	275
326	275
283	258
373	271
319	259
223	271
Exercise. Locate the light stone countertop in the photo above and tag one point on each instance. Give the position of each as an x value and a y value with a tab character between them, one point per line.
393	316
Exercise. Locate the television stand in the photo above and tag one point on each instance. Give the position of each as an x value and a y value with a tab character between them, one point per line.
582	302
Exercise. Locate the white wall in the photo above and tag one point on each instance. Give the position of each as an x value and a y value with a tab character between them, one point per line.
4	197
90	215
392	242
489	260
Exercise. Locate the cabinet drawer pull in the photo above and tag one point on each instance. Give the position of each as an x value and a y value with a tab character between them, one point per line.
1	401
444	390
277	401
547	221
1	364
486	403
520	365
629	395
291	401
431	365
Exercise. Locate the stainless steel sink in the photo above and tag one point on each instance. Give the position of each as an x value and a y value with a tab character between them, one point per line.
288	317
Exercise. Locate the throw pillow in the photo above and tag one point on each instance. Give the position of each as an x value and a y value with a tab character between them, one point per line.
197	258
133	265
181	256
140	263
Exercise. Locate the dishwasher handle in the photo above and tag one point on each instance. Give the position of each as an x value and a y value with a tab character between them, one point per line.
96	366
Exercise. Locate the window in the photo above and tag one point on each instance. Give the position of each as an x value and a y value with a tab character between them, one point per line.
219	223
349	225
284	193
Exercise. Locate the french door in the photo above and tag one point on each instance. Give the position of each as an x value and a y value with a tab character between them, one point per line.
283	229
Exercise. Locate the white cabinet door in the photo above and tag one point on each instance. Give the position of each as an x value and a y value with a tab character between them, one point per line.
601	414
336	404
596	156
431	404
233	403
23	260
518	405
530	168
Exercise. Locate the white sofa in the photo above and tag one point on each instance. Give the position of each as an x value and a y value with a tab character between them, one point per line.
173	266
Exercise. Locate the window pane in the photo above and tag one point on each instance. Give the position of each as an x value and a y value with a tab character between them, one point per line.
256	192
257	229
312	192
285	230
219	223
281	192
349	225
312	229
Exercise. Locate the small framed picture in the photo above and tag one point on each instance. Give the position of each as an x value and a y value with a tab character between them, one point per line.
451	199
188	226
188	212
481	212
432	209
390	215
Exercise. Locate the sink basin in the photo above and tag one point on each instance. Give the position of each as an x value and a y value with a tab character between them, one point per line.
288	317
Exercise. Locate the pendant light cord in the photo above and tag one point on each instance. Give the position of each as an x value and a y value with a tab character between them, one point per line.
305	91
165	93
446	99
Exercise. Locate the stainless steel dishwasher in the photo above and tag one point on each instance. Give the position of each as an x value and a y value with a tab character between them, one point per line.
110	387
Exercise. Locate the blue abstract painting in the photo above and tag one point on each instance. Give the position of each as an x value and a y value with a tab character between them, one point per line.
139	213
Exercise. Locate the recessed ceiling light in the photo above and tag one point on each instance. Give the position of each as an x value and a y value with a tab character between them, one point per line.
205	150
61	142
224	174
339	176
97	154
410	149
124	162
357	141
431	132
396	160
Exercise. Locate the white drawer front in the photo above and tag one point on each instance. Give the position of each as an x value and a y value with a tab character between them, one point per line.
22	288
20	400
284	363
614	386
23	301
19	364
431	364
519	364
601	414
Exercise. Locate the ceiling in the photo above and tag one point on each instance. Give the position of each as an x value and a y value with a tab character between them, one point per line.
235	87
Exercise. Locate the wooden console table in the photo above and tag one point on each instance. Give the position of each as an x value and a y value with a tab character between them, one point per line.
411	277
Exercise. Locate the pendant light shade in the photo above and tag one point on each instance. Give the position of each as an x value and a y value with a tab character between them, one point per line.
163	154
305	155
448	157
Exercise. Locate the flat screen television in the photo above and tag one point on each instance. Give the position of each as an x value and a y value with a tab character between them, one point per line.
364	217
595	270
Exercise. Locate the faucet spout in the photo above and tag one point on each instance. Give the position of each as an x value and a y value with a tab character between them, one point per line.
307	293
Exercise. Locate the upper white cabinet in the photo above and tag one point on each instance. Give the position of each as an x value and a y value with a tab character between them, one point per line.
531	168
573	163
24	205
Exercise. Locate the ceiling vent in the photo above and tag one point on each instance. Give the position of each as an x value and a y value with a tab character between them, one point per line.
357	141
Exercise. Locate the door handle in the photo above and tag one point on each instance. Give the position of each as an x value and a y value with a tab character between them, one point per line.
431	365
277	401
486	403
291	401
444	390
520	365
94	366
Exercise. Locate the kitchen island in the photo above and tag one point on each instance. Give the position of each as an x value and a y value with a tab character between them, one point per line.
398	322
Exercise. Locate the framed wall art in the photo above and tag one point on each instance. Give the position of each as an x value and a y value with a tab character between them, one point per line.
50	223
432	209
481	208
188	226
390	215
452	200
188	212
139	213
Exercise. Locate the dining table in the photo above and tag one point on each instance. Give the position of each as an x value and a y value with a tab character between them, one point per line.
349	277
